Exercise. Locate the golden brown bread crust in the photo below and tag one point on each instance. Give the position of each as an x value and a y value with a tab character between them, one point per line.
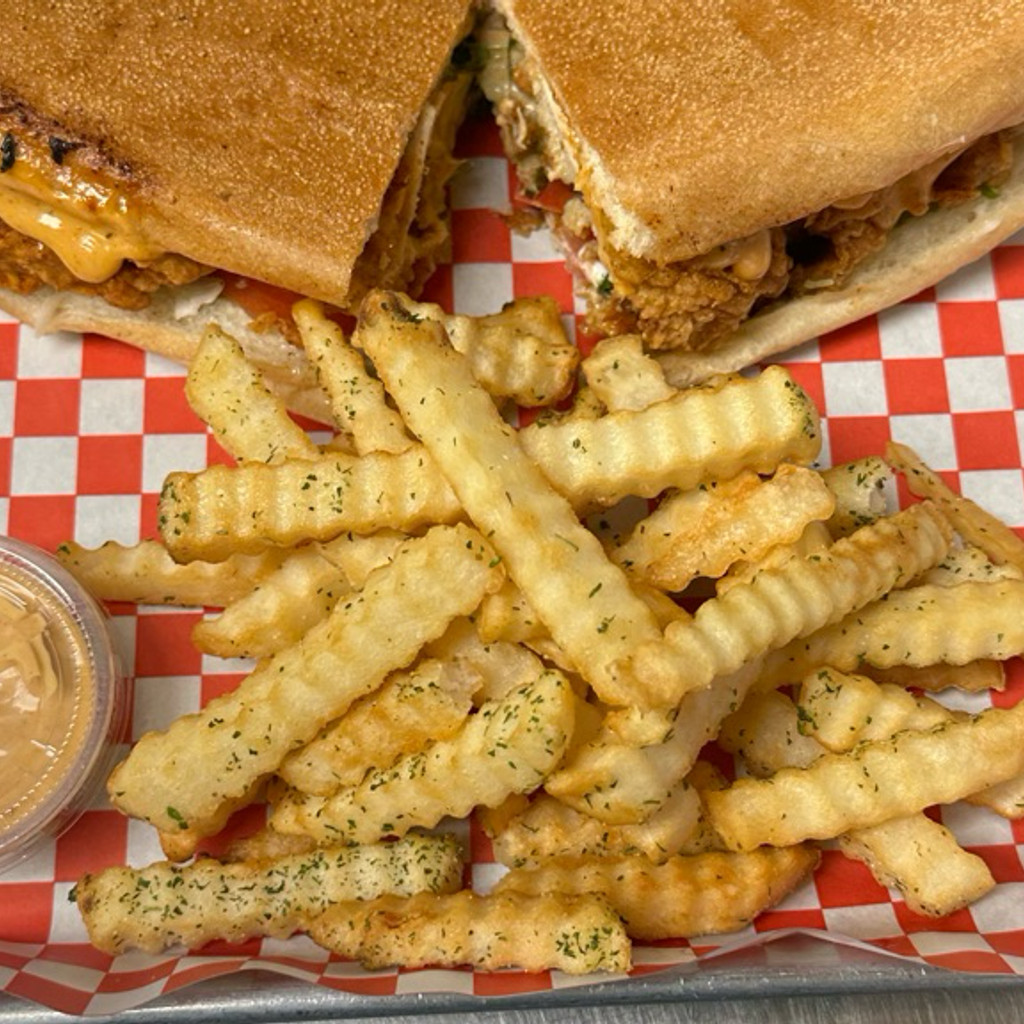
694	128
261	145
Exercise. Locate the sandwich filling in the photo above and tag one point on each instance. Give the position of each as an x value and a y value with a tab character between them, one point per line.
695	303
71	219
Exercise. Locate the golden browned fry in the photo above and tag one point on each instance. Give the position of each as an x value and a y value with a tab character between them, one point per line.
264	844
548	828
919	627
577	935
840	709
970	520
617	781
704	433
704	531
913	854
794	600
292	599
145	573
228	392
582	598
357	398
508	616
521	353
242	736
427	702
861	490
227	509
973	677
509	746
708	893
876	781
165	905
923	861
814	540
623	376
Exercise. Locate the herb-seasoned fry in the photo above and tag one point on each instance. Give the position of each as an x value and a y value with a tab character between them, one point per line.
242	736
877	781
145	573
521	353
509	746
703	894
164	905
798	598
428	702
577	935
704	531
707	433
227	509
860	489
623	376
584	600
357	399
228	392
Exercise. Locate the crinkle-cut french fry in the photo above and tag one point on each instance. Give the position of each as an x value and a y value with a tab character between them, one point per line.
228	392
861	489
918	627
971	521
584	600
923	861
294	598
508	616
967	563
499	667
521	353
620	783
813	541
509	746
707	433
765	732
145	573
164	905
704	531
277	613
877	781
974	677
227	509
708	893
577	935
357	398
913	854
242	736
427	702
623	376
548	828
796	599
840	709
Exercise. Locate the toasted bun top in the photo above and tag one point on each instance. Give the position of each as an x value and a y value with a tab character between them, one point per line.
259	138
699	122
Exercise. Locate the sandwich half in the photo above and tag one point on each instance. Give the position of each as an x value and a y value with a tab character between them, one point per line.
730	178
161	163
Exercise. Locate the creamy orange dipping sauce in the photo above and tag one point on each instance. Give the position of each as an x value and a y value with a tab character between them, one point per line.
46	696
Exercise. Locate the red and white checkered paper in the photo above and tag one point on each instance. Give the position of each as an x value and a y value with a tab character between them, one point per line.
89	428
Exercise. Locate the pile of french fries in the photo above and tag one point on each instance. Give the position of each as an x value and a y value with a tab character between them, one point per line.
450	615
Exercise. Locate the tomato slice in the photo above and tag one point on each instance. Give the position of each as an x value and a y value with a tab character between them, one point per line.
552	197
258	298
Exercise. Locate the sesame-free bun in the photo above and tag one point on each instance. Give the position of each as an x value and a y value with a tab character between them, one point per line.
692	128
918	254
256	138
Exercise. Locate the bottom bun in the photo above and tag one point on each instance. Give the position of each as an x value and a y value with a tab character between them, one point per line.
172	326
919	253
